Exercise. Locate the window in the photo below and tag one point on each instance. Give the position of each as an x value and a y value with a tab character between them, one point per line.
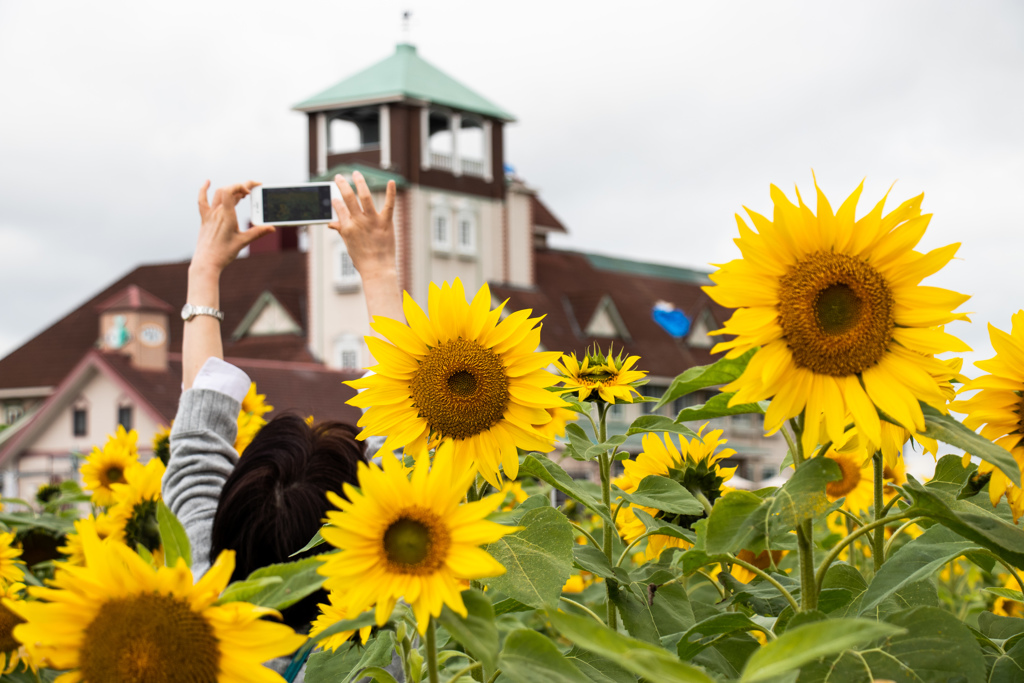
467	233
345	273
14	412
348	353
649	391
440	230
124	417
79	422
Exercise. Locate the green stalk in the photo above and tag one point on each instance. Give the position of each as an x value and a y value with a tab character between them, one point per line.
432	670
878	538
606	497
804	530
850	538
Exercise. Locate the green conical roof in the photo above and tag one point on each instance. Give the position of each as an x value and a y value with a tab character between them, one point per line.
403	75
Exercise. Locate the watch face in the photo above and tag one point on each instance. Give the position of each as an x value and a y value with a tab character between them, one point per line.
186	311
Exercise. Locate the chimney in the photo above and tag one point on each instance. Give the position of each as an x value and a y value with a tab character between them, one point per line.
135	323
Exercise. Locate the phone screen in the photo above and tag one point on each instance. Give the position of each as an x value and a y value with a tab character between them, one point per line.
296	204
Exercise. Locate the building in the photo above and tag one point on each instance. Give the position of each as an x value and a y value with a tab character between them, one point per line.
294	313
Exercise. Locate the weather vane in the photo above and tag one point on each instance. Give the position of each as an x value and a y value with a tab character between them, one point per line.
406	29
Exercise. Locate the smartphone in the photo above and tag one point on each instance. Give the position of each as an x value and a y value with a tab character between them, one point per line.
302	204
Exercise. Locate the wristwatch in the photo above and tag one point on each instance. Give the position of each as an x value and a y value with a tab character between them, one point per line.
188	311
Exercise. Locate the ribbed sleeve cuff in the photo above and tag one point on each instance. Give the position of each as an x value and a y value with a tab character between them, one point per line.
207	410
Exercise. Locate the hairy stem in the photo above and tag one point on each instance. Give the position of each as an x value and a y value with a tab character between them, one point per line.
804	530
850	538
878	541
604	460
432	670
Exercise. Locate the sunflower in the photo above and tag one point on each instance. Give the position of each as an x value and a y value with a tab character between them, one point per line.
331	614
135	510
612	377
410	538
11	650
998	407
162	444
11	568
250	418
103	525
694	464
513	490
555	427
106	467
761	560
120	619
1005	607
857	484
461	376
843	324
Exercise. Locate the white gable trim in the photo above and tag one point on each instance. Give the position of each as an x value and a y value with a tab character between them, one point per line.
259	315
606	321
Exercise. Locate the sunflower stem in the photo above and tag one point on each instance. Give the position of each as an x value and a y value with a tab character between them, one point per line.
804	529
432	670
604	460
878	538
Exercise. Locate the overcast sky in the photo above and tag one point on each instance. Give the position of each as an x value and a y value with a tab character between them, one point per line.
645	126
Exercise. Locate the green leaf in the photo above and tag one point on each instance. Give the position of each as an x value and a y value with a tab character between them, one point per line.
662	528
172	536
934	645
730	526
508	606
914	561
591	559
998	627
550	473
351	660
579	442
298	579
313	542
720	372
363	620
970	521
671	608
665	494
740	518
598	669
704	633
529	657
636	614
596	450
947	429
1007	593
476	631
659	423
803	644
718	406
643	659
1009	666
537	559
243	591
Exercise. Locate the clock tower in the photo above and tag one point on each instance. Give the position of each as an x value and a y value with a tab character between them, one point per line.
457	214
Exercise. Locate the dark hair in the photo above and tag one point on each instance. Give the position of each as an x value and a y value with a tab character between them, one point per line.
275	499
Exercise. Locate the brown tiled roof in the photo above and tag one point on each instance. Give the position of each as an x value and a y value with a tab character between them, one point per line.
543	217
48	357
134	298
569	287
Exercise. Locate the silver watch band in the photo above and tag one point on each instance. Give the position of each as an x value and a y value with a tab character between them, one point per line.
190	311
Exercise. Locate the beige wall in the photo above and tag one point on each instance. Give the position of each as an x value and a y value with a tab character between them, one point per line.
520	237
53	453
340	313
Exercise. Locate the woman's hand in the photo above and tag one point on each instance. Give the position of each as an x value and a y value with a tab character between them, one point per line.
369	235
370	239
220	240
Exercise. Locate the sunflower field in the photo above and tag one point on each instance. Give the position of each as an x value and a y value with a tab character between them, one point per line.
467	553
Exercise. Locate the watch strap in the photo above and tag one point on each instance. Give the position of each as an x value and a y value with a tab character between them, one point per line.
207	310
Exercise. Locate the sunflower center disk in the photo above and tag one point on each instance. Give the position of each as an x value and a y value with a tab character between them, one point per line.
114	475
851	477
460	389
836	313
8	620
416	543
151	638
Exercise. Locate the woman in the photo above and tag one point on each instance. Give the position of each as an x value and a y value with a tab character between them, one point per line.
269	504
